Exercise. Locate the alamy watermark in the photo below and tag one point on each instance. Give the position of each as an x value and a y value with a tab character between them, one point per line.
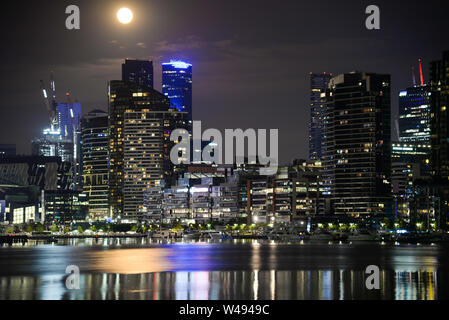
372	22
373	280
256	146
72	281
72	22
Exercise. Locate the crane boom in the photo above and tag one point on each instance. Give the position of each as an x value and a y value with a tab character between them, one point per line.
50	102
50	108
75	137
52	87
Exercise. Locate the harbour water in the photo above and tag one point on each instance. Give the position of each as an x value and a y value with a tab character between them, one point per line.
236	269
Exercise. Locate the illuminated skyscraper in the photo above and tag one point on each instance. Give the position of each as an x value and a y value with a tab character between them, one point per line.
140	124
177	85
94	137
439	82
318	82
357	143
69	116
439	118
414	114
52	144
139	72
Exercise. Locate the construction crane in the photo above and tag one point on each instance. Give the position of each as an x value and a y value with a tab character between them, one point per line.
50	103
75	137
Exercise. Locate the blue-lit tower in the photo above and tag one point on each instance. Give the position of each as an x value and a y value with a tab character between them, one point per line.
414	114
177	85
69	116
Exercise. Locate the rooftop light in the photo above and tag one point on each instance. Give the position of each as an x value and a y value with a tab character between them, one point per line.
178	64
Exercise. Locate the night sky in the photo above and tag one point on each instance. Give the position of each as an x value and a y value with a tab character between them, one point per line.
251	59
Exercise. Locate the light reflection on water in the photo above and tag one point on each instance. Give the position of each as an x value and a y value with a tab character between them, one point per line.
204	285
241	270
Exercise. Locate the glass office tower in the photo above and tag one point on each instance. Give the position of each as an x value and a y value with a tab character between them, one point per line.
177	85
414	114
94	137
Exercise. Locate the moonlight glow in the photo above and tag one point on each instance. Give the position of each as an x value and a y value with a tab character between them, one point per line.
124	15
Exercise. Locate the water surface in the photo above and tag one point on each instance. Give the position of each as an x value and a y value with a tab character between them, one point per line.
244	269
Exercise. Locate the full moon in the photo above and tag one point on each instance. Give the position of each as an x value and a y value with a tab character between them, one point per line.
124	15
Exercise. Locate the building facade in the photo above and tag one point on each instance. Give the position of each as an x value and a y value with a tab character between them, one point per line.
19	205
69	117
47	173
318	83
357	144
140	123
414	115
95	140
52	144
177	85
65	206
439	119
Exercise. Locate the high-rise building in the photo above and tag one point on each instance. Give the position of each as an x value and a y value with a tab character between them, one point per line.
146	153
413	153
439	83
177	85
95	141
52	144
140	124
414	114
318	83
7	150
69	116
139	72
439	119
357	143
63	140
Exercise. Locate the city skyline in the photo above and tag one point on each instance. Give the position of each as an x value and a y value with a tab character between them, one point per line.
224	150
231	59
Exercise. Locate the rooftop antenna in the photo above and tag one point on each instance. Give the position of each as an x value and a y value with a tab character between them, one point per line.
420	72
